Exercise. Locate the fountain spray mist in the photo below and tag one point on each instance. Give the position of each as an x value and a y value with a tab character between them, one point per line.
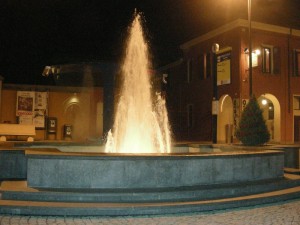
141	124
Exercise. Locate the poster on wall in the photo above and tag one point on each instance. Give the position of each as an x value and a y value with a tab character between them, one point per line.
41	100
223	67
25	119
40	109
39	119
32	108
25	101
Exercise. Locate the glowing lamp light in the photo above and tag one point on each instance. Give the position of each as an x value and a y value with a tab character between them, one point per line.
257	52
264	101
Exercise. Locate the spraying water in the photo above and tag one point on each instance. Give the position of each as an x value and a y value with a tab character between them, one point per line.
141	124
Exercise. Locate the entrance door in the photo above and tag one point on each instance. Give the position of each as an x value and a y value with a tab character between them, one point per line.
297	129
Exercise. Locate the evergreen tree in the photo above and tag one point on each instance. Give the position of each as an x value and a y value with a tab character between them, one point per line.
252	129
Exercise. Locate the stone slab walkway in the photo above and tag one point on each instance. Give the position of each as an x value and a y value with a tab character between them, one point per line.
283	213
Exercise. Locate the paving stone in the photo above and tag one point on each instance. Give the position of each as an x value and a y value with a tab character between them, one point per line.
284	213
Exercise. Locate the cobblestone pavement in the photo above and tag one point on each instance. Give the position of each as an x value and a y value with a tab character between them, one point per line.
284	213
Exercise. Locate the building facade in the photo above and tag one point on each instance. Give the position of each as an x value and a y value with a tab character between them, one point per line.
79	104
275	82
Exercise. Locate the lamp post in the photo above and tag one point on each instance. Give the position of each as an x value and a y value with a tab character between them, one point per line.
250	49
215	106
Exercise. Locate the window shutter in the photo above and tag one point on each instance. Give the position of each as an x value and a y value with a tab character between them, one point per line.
276	60
201	67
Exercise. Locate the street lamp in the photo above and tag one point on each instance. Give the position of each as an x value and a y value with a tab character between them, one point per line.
215	106
250	49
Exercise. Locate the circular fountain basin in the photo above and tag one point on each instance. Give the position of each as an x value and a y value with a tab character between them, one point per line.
54	169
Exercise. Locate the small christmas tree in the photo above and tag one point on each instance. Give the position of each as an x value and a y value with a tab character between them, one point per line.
252	129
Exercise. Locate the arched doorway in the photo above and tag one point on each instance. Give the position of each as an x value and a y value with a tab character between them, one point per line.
225	118
271	112
76	115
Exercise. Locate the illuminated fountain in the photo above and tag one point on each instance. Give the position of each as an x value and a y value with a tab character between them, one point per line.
151	173
141	125
141	129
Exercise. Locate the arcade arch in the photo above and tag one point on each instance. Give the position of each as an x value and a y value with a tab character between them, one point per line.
271	112
225	118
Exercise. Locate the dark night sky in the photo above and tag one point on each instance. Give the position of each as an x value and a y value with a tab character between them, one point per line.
36	33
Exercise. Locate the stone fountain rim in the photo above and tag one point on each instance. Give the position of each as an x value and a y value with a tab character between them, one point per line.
57	152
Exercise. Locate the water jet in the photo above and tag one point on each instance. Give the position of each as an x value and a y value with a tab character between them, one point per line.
141	124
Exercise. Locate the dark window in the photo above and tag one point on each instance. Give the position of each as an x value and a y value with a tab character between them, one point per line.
190	109
201	66
208	65
271	111
276	60
189	70
296	60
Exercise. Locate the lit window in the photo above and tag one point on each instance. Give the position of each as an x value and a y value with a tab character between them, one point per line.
271	60
266	60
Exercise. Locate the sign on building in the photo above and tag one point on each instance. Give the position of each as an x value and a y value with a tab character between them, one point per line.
224	66
244	103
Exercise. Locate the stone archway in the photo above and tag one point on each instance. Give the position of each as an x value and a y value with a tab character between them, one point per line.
272	114
76	115
225	117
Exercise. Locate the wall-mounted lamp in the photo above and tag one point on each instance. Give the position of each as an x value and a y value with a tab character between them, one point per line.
47	71
165	78
215	47
256	51
50	70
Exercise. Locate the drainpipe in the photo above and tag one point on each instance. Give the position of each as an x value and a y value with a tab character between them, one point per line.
215	49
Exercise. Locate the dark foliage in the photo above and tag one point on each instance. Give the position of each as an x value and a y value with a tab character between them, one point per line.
252	128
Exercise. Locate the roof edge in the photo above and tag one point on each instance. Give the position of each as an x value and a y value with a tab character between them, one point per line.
171	65
239	23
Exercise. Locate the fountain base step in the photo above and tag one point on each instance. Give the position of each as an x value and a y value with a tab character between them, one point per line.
204	192
43	205
18	199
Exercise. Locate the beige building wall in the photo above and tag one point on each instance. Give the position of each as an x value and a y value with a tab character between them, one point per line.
8	109
74	108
